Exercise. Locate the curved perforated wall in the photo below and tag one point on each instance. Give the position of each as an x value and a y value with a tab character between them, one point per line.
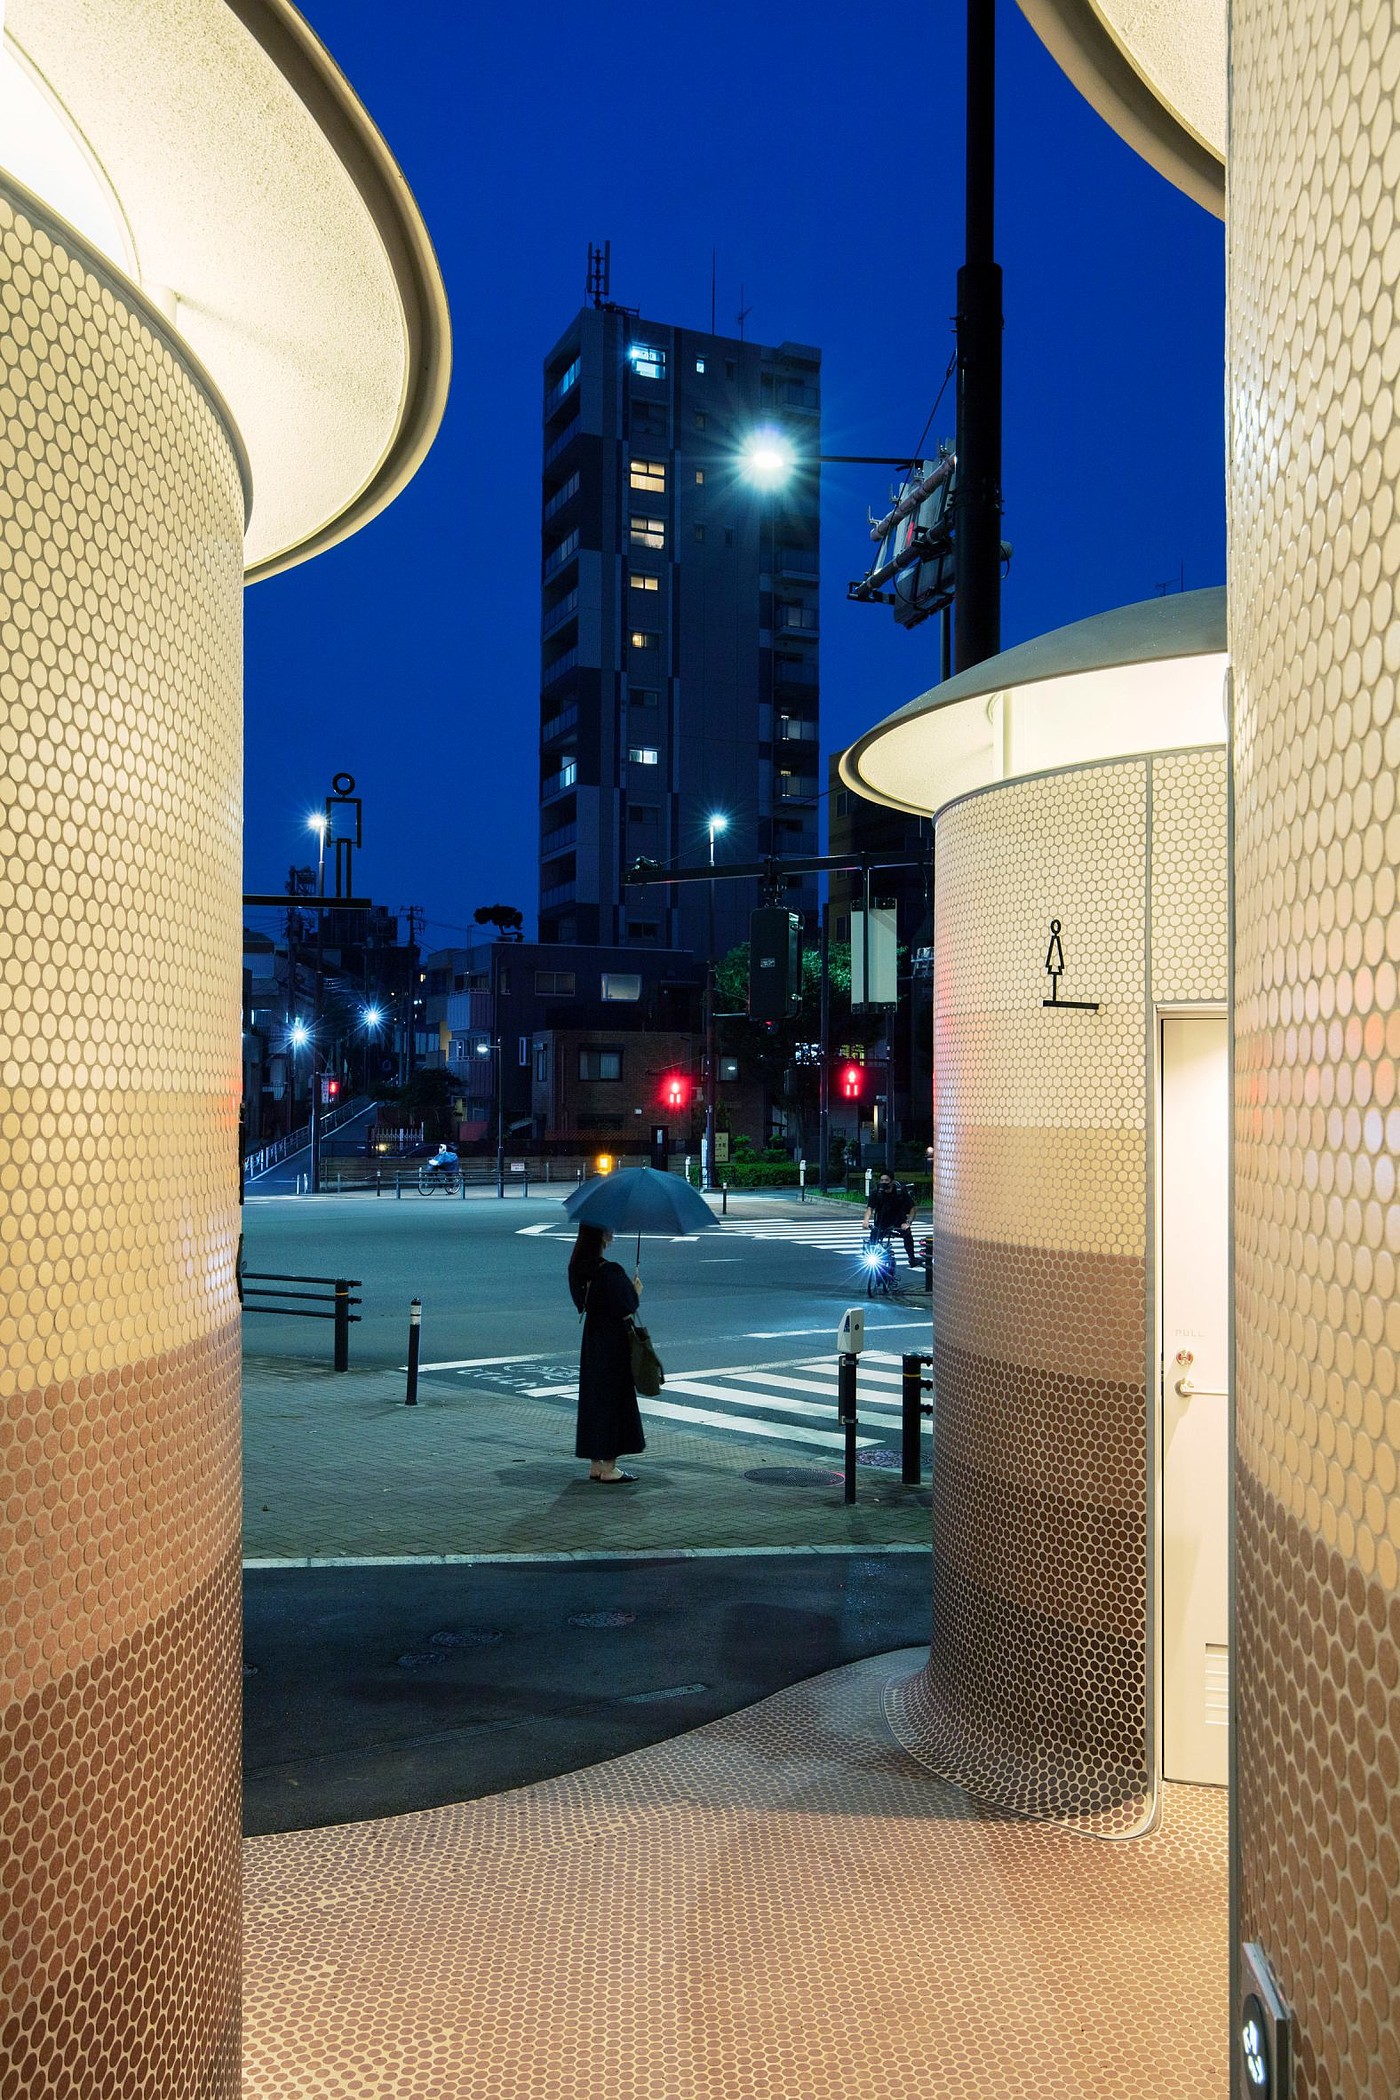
121	516
1035	1695
1314	341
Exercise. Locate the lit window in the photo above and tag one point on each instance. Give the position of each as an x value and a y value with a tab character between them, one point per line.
640	639
522	1050
646	583
600	1064
617	985
646	362
649	474
699	477
648	532
642	755
699	364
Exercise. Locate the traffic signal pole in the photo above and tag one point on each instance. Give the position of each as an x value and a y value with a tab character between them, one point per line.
824	1053
977	496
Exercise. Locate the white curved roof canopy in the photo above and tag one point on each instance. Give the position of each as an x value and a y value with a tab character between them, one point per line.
214	153
1147	677
1156	70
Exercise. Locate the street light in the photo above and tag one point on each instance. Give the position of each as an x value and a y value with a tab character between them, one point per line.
716	823
484	1050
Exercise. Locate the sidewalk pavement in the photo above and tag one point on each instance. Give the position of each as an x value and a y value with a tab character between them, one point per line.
335	1465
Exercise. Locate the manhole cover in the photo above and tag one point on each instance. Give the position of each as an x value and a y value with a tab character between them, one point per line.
601	1618
794	1477
422	1658
879	1456
473	1637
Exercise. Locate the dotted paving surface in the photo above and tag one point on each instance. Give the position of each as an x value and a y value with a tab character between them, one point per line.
778	1903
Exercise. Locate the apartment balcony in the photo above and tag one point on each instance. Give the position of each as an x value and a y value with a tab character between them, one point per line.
559	783
563	441
562	893
555	842
558	615
794	787
560	724
558	557
553	672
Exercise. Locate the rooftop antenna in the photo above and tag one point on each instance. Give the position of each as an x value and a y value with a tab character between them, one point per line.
743	313
714	266
599	288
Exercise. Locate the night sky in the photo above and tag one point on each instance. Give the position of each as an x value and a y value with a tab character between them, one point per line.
820	150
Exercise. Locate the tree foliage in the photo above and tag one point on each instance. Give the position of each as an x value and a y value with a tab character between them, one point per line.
784	1053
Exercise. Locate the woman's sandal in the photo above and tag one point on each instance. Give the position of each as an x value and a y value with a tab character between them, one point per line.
610	1480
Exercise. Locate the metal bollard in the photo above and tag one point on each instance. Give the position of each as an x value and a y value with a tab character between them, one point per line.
802	1181
525	1183
846	1416
928	1263
342	1323
462	1188
378	1181
339	1185
415	1335
398	1190
724	1200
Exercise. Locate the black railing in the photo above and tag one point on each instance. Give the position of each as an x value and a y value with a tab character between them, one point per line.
337	1296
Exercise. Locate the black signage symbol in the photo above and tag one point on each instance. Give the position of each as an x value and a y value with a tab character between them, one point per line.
1054	968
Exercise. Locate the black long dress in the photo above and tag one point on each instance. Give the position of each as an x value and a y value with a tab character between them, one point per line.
609	1420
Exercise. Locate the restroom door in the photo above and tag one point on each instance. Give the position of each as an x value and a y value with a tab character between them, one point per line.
1194	1283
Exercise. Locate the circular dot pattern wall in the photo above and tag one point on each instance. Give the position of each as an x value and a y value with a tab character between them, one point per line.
1314	336
121	515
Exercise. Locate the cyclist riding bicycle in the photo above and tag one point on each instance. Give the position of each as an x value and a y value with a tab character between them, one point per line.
443	1161
890	1213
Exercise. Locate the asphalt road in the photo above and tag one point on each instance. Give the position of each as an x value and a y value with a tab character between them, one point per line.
771	1281
376	1691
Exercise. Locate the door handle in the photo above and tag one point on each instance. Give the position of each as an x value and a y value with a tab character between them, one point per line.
1188	1391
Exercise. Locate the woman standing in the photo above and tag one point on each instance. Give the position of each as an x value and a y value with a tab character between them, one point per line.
609	1420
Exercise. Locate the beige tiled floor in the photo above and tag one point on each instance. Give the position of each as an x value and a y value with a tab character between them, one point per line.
779	1906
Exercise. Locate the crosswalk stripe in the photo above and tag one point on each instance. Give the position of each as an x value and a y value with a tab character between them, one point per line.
807	1385
747	1425
779	1403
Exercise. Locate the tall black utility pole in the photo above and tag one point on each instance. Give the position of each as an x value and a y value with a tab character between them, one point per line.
977	498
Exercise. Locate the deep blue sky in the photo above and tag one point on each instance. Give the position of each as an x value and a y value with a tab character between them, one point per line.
821	150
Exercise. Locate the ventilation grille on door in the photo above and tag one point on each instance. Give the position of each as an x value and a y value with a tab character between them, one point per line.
1217	1686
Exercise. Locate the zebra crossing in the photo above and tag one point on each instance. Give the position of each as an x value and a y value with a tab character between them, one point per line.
836	1235
782	1403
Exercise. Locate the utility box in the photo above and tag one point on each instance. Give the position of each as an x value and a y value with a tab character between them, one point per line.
775	963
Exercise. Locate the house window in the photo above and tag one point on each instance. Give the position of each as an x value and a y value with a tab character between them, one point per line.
645	583
542	1064
600	1064
621	986
649	533
644	696
643	816
699	364
504	985
699	532
642	755
522	1050
554	984
699	477
642	929
729	368
650	475
647	362
640	639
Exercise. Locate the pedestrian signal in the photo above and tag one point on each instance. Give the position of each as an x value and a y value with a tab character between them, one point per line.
330	1090
852	1082
675	1091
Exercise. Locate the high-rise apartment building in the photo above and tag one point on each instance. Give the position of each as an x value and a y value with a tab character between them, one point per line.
679	630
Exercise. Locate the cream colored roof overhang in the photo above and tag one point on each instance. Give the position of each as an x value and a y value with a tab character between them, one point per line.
1156	70
268	220
1146	677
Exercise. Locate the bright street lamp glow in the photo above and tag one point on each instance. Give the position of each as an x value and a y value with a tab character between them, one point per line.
719	823
317	823
767	459
299	1035
372	1016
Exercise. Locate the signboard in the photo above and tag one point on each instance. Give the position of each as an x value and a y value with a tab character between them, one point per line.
721	1148
881	949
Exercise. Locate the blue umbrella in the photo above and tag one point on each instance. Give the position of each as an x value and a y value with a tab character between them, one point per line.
640	1199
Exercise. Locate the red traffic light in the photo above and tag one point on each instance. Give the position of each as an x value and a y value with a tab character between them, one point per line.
330	1089
675	1091
852	1082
